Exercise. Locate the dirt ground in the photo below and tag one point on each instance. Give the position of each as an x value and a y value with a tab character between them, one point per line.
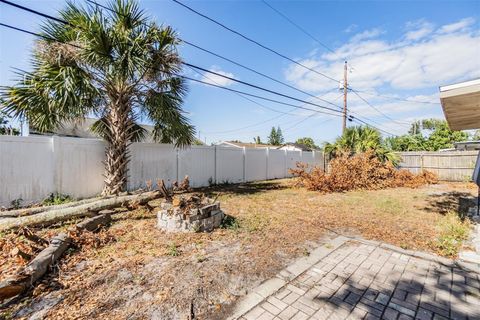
137	271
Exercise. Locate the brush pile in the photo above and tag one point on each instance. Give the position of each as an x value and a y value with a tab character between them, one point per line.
362	171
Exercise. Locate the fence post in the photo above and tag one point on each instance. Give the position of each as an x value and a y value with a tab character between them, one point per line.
285	171
215	164
176	163
56	145
267	153
244	165
421	162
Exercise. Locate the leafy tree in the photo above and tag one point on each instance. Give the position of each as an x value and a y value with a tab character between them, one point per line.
276	137
116	64
406	142
307	142
257	140
5	128
197	142
427	135
360	139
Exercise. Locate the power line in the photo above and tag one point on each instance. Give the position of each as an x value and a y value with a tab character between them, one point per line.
257	72
301	29
233	62
185	77
254	41
185	63
379	111
259	87
207	83
394	98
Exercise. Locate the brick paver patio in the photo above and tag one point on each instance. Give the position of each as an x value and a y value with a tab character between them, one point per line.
365	280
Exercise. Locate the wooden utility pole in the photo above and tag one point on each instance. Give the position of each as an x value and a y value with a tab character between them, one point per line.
345	90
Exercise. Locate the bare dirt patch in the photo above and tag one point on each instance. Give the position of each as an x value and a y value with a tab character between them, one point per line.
139	272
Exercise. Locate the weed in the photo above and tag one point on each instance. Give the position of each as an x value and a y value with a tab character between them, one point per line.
173	250
452	232
56	198
16	203
201	258
230	222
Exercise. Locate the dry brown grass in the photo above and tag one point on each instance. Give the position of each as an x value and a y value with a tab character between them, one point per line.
146	273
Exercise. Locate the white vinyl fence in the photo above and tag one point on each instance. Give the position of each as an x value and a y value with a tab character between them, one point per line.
31	168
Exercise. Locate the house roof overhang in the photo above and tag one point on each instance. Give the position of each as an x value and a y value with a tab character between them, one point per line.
461	104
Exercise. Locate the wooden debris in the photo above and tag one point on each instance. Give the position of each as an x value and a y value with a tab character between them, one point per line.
35	210
92	224
164	190
36	268
17	252
54	216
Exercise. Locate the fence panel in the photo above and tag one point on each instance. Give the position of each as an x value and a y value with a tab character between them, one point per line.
33	167
26	168
255	164
319	159
449	166
79	167
292	158
229	163
151	161
198	162
276	164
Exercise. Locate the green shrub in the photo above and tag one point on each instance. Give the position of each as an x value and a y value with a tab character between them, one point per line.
56	198
452	232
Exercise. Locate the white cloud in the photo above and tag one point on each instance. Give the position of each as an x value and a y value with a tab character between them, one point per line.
217	79
457	26
418	29
441	57
367	34
351	28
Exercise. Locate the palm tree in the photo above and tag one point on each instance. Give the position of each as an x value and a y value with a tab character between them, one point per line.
360	139
118	66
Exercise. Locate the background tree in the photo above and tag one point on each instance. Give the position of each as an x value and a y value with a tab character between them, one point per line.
257	140
307	142
5	128
117	65
427	135
276	137
360	139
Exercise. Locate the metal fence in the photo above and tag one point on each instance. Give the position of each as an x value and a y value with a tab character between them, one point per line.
449	166
33	167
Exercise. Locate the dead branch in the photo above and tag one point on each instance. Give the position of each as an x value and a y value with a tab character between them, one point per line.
54	216
92	224
35	210
36	268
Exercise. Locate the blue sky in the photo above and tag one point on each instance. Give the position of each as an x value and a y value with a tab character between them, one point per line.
404	49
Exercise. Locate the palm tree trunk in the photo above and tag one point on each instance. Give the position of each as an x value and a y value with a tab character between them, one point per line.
116	151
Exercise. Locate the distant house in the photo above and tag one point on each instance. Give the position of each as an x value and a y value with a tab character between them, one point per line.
467	145
236	144
80	129
295	147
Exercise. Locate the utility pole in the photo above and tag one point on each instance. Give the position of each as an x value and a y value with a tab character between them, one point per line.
345	90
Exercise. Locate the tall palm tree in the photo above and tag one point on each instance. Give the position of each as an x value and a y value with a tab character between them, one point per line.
116	65
360	139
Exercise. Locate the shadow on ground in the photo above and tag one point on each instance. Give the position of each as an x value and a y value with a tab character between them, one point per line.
455	201
243	188
446	293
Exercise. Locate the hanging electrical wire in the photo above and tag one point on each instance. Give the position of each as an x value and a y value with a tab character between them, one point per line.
255	42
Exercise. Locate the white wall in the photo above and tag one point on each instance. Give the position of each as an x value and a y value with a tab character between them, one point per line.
33	167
